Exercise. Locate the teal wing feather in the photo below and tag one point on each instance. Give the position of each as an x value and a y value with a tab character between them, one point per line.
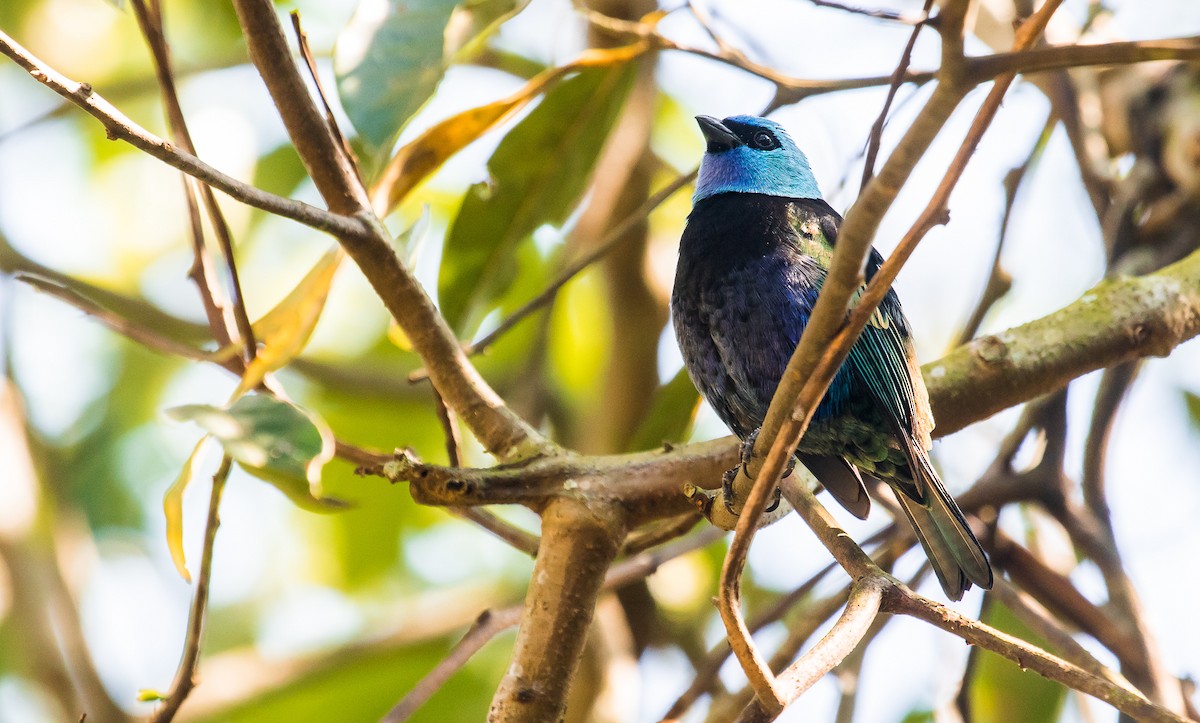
883	359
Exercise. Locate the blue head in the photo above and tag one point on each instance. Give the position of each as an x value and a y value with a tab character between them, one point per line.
748	154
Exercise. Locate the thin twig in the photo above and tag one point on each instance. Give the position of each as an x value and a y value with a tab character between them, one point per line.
999	281
488	625
151	24
522	540
120	127
876	136
330	119
666	531
185	675
876	13
1029	657
607	243
706	22
146	337
897	598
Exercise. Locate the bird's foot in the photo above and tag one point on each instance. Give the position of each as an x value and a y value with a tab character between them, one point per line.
747	455
775	502
727	493
748	450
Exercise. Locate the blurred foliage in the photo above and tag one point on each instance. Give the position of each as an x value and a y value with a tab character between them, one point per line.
1000	691
524	192
487	246
362	686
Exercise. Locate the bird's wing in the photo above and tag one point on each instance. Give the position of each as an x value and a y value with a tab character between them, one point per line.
884	360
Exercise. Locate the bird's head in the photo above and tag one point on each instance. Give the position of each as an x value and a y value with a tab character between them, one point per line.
748	154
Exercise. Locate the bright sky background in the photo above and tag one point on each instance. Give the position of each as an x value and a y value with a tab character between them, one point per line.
58	218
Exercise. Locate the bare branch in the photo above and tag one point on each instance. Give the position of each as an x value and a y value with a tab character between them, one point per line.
500	430
488	625
904	601
861	610
185	675
151	24
900	599
877	13
876	135
119	127
999	281
1040	621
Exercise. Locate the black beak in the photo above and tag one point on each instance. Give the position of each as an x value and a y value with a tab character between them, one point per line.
718	136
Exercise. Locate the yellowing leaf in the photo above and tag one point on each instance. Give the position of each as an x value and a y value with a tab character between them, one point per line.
426	153
536	176
284	330
173	507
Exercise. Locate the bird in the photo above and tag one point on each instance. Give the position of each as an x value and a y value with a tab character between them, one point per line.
753	256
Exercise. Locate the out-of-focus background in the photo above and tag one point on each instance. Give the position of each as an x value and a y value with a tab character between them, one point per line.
333	616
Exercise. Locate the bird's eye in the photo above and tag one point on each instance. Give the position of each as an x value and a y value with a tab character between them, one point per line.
765	141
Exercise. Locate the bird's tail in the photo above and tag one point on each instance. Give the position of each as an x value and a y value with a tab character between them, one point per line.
956	556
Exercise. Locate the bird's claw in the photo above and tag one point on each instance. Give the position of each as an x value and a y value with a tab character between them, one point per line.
727	493
748	450
775	503
747	454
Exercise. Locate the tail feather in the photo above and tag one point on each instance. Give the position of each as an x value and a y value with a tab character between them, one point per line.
957	557
842	480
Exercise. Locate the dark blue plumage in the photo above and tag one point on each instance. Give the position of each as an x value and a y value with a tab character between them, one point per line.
752	260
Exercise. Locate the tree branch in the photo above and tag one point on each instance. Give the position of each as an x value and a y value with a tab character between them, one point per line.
185	675
149	19
900	599
579	541
501	431
119	127
904	601
1117	320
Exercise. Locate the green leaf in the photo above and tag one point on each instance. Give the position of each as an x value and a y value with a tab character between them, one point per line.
388	61
1193	407
670	415
538	173
428	151
1001	691
280	170
273	440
